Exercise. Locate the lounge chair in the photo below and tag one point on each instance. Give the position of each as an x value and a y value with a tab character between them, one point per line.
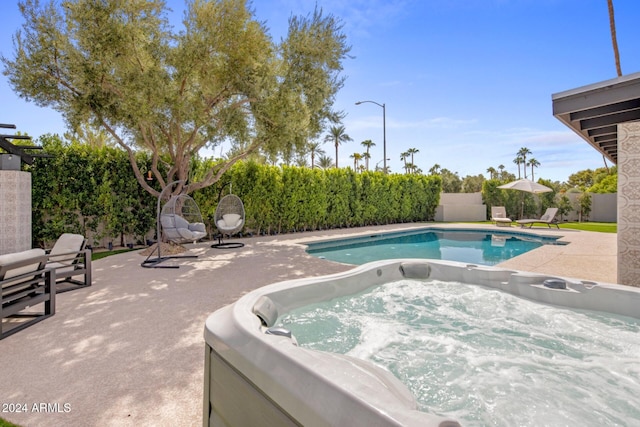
548	218
70	258
499	216
25	282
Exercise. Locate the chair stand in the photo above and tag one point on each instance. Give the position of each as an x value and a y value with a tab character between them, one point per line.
226	245
154	262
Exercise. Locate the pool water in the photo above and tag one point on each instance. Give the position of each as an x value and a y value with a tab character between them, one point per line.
485	357
475	247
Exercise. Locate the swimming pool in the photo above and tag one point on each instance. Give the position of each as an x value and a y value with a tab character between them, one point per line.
471	246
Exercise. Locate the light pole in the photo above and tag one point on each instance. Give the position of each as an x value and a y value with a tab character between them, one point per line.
384	131
379	163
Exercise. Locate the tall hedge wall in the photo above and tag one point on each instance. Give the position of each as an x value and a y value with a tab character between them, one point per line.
286	199
93	191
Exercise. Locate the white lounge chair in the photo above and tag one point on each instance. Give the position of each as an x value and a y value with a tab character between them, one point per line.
548	218
499	216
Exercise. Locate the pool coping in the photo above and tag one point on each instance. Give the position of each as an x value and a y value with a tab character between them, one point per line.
324	244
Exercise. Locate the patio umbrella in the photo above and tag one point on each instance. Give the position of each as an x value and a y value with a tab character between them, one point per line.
525	185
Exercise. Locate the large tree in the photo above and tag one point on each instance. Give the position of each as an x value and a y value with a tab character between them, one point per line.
118	66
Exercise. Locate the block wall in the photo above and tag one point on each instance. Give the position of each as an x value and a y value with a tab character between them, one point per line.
15	211
629	203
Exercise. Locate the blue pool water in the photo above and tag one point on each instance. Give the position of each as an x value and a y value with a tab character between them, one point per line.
474	247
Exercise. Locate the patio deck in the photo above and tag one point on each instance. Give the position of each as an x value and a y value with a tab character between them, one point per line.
129	351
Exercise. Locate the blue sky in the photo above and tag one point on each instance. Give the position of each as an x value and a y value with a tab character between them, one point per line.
466	82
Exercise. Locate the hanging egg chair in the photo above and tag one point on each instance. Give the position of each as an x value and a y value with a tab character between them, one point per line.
229	220
181	220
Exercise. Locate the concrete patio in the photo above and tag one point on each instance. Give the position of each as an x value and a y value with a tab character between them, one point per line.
129	351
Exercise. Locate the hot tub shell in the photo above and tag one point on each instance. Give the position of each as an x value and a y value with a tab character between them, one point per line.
255	374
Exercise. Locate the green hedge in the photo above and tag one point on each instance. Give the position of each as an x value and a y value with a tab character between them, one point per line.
92	191
288	199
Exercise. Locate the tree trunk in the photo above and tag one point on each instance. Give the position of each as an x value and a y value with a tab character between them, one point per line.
614	39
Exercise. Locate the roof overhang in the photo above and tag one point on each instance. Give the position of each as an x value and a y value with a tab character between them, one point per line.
594	111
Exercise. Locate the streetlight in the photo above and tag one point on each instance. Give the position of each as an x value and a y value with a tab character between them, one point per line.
379	163
384	131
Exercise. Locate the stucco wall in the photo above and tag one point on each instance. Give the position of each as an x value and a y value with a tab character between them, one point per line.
461	207
604	207
15	211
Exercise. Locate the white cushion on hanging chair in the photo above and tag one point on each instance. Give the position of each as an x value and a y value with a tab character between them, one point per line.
181	222
197	226
231	220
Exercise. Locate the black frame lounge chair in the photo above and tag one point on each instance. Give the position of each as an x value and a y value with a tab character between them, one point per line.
548	218
25	282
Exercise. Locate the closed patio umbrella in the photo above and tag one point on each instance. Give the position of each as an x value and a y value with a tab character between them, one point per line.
525	185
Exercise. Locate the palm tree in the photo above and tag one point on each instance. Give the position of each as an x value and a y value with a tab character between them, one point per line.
367	143
337	135
523	152
435	169
366	156
356	158
301	161
324	161
534	164
412	151
501	168
616	54
404	156
614	39
517	161
412	168
492	172
314	148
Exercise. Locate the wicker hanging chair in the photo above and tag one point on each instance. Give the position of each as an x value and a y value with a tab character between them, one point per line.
178	220
229	220
181	220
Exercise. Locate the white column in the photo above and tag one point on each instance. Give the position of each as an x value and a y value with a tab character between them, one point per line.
15	211
629	203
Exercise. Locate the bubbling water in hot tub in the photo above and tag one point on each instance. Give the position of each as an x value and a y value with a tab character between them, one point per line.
484	356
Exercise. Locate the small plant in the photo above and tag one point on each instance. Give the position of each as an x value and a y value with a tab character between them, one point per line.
564	206
584	206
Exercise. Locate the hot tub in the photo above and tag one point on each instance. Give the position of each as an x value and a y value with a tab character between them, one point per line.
255	374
